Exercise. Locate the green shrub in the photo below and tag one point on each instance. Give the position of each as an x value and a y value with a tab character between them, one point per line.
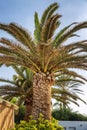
20	115
68	114
39	124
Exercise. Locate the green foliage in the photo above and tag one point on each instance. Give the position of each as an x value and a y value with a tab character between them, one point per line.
39	124
67	90
20	115
14	100
68	114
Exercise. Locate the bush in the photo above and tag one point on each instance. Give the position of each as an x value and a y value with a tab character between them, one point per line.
68	114
39	124
20	115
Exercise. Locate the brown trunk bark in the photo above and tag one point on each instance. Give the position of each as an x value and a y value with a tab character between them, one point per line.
42	95
28	112
28	108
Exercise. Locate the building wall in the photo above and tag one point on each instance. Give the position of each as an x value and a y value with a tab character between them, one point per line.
74	125
6	117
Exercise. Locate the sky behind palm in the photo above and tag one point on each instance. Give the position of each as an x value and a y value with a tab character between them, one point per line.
22	12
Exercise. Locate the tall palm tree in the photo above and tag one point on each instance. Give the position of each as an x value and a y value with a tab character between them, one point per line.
20	87
67	91
45	55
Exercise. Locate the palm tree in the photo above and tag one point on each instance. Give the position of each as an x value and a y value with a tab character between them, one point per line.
20	87
67	90
46	55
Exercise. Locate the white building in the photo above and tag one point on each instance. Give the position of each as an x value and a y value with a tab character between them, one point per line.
74	125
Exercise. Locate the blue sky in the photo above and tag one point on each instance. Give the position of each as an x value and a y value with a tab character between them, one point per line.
22	12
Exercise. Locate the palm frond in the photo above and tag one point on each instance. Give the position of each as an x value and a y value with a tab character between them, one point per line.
58	81
69	32
20	34
29	74
6	81
73	47
55	42
18	70
83	45
49	28
48	12
9	60
37	28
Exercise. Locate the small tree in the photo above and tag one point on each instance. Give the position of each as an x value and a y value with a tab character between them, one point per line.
20	87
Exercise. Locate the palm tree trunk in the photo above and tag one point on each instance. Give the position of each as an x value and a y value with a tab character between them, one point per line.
28	112
28	108
42	95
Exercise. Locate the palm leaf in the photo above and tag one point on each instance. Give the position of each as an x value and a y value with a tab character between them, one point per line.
7	81
48	12
19	33
69	32
18	70
55	42
37	28
15	50
49	28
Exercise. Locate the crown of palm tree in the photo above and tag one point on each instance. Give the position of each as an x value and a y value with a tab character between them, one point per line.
46	52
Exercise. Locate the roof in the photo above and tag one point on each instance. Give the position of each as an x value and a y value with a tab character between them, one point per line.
8	104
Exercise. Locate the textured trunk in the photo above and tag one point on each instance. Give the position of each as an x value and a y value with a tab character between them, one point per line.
28	112
42	95
28	108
